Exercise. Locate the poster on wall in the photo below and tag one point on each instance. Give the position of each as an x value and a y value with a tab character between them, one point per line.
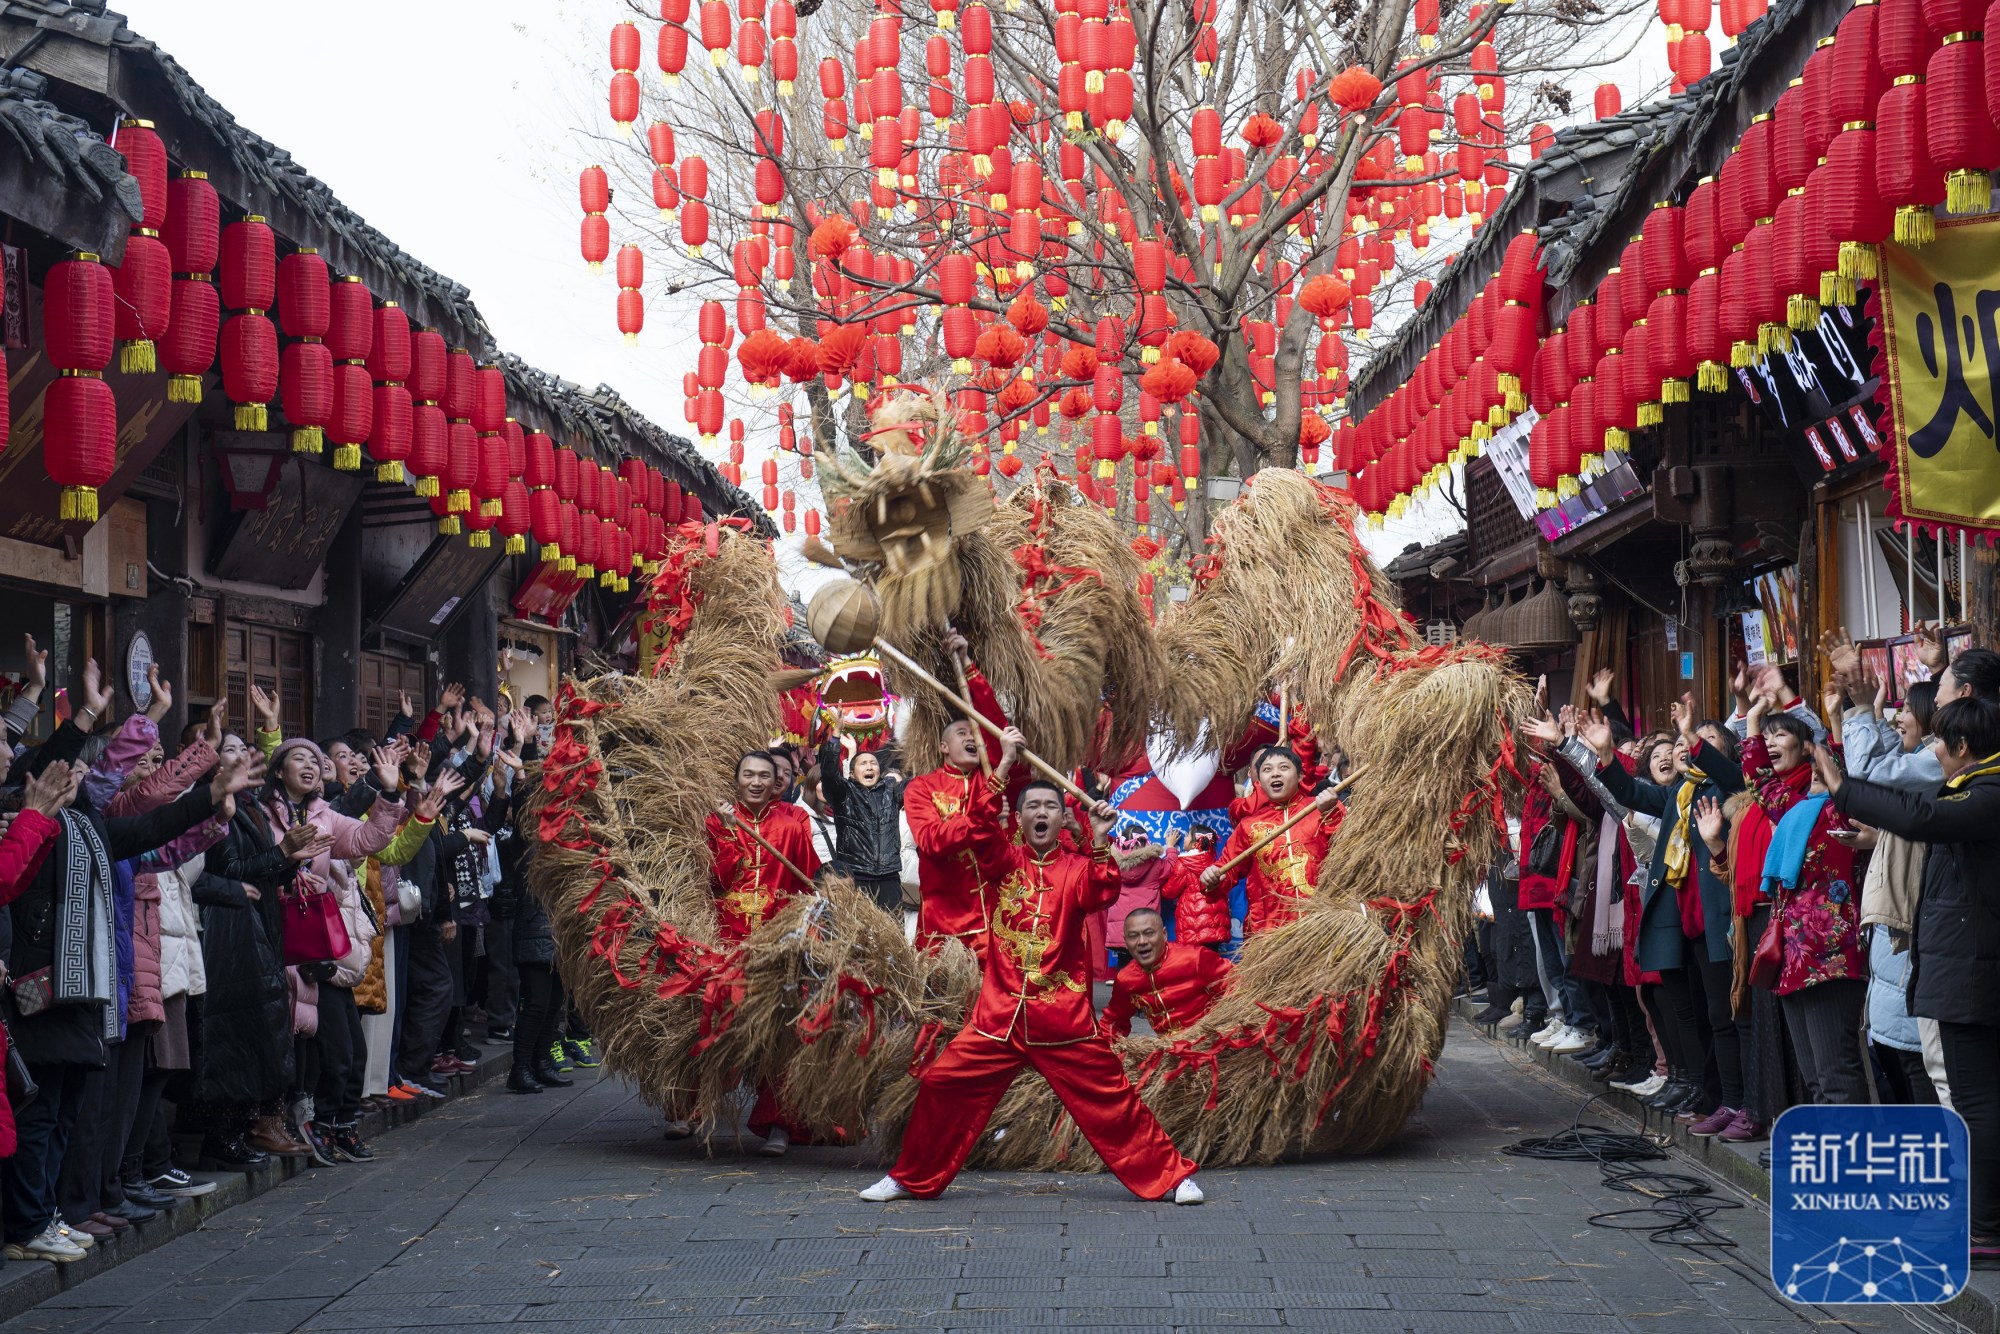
1756	650
1777	593
1941	364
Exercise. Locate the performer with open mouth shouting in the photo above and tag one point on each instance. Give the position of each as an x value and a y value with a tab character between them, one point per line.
1034	1009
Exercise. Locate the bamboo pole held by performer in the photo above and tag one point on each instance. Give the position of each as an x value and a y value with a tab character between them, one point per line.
1273	836
964	690
974	716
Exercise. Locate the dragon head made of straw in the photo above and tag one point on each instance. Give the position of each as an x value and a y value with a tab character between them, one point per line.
904	511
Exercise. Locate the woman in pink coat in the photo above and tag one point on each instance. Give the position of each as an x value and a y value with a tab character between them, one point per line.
324	1018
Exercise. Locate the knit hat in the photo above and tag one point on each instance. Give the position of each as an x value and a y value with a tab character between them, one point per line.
291	744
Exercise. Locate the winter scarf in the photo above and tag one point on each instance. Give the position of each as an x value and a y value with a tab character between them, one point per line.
86	964
1787	853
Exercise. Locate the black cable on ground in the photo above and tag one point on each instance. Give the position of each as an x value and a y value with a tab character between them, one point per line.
1680	1204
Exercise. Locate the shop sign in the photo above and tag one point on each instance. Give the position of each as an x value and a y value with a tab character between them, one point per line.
1940	318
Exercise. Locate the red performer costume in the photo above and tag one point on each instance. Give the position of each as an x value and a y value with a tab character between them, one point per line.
1286	870
750	886
1171	996
957	867
1034	1009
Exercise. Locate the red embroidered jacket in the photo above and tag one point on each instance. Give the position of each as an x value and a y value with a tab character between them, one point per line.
1288	869
1171	997
750	885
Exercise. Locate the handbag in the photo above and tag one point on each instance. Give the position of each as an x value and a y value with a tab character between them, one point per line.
21	1085
1768	963
314	931
34	992
1545	853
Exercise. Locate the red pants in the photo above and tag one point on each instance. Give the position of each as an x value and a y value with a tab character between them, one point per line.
965	1084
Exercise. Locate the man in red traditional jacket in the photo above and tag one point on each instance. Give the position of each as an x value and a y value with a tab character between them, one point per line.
1285	871
750	886
1170	983
957	870
1034	1009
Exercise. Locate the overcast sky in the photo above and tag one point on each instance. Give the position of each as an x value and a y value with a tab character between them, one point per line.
454	128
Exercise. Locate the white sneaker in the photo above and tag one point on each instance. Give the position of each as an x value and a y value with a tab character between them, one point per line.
775	1144
1570	1039
1555	1030
1650	1087
888	1188
83	1241
1633	1081
1187	1192
50	1246
679	1129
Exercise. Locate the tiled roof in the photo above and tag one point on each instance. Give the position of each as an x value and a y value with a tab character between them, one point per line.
56	146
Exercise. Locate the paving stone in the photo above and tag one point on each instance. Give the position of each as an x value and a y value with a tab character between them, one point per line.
579	1217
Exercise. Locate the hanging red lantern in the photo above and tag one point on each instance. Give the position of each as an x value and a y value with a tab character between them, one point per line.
248	284
79	440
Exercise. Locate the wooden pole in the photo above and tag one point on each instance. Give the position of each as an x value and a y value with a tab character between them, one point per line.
1281	830
964	705
985	760
729	818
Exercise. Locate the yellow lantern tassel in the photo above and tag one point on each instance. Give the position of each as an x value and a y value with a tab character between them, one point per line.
448	526
490	509
1857	260
1711	378
1836	289
567	564
1742	355
307	440
1968	190
347	458
1801	313
480	537
1545	498
458	502
391	471
1916	226
252	417
138	357
427	487
183	389
1615	437
1651	414
1673	391
1568	488
79	504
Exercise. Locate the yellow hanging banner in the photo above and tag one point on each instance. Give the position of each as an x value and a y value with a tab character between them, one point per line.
1940	328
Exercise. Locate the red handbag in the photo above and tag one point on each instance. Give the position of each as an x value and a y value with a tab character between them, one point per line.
1767	965
314	932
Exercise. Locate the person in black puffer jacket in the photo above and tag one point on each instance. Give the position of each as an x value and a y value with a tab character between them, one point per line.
867	811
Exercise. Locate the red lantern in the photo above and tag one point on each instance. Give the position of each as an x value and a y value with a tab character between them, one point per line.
144	287
79	440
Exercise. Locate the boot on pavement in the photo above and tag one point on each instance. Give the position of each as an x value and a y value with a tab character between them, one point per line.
545	1071
521	1079
269	1135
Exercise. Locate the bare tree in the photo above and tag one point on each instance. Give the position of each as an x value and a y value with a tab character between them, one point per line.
1163	166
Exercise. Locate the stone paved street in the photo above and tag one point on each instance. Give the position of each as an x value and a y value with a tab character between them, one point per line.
568	1212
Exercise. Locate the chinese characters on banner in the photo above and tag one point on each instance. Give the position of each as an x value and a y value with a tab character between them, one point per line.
1940	321
1870	1204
